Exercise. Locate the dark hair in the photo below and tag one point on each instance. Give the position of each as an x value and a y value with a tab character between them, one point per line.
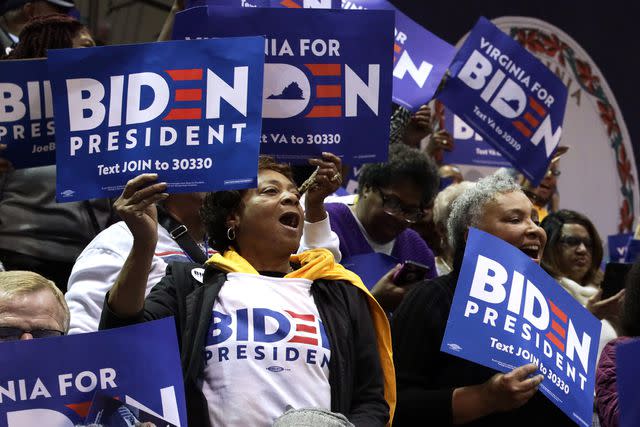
217	206
404	163
552	225
46	32
631	309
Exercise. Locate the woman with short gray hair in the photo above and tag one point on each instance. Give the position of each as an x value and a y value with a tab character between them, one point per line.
448	390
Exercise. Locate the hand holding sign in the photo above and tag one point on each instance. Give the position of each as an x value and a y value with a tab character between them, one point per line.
501	393
136	207
419	127
327	180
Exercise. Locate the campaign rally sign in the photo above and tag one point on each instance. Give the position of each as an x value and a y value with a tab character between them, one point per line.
633	250
26	114
55	379
420	57
290	4
628	378
187	110
469	147
507	312
327	80
509	97
618	244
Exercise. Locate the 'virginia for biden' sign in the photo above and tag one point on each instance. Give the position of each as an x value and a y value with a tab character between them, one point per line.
507	312
187	110
509	97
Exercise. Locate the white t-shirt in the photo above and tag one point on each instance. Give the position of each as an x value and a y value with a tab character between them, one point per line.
266	349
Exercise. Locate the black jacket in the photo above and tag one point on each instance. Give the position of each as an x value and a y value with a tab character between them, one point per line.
355	374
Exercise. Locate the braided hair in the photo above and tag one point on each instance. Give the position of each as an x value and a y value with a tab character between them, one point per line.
46	32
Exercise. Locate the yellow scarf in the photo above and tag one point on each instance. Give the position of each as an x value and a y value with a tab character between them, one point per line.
319	264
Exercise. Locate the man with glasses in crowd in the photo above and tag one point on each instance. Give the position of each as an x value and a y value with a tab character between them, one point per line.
30	307
391	197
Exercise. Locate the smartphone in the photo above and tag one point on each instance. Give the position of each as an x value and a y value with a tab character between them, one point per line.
410	272
615	274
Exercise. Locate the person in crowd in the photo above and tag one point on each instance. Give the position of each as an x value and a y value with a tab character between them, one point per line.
606	400
391	197
573	256
30	307
36	233
14	15
342	336
447	390
181	237
441	211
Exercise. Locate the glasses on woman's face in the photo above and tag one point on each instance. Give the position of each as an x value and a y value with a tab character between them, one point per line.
394	207
575	241
9	333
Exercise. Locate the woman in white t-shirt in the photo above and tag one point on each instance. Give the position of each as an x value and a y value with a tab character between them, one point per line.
261	330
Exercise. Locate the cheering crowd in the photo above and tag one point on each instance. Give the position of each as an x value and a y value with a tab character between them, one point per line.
78	267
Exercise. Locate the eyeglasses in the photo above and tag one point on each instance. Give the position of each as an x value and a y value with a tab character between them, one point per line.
394	207
8	333
575	241
554	172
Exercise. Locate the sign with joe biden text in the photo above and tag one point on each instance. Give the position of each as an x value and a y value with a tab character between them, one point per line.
52	381
508	312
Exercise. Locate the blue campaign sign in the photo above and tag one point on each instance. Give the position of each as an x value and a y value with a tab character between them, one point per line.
509	97
469	147
187	110
370	267
618	244
633	250
323	90
107	411
628	378
507	312
420	57
55	379
26	114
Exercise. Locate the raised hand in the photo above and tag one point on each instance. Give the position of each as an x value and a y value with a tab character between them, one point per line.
136	206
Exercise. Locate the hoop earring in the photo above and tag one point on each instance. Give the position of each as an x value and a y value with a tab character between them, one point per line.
231	234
